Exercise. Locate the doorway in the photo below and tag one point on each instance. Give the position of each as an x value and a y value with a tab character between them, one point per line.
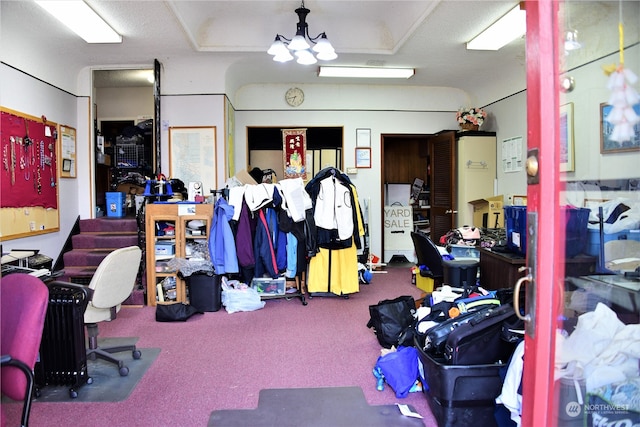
124	112
405	161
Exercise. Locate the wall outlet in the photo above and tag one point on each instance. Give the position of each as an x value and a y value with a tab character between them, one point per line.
32	225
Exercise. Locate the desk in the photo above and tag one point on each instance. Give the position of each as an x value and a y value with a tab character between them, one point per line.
500	269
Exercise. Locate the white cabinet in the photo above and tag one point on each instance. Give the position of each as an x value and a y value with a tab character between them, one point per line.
476	165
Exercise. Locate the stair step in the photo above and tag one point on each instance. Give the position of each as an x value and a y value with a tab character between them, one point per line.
108	224
104	240
99	237
85	257
78	274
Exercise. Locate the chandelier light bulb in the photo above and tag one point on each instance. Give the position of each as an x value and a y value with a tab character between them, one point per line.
571	41
277	47
327	56
298	43
305	57
283	56
323	45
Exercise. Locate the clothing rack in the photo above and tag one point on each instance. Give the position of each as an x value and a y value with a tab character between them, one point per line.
224	192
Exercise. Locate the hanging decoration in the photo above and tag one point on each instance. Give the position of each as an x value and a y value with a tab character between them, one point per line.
294	144
623	95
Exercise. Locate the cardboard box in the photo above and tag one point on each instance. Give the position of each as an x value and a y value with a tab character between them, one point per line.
488	213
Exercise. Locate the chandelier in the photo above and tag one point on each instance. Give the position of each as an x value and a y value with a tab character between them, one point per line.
302	45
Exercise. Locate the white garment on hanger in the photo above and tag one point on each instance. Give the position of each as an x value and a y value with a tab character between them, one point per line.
236	194
333	208
258	196
295	197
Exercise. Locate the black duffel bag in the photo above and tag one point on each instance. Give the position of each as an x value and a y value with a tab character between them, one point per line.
393	321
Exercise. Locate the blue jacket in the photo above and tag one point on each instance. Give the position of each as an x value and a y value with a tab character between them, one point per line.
264	248
222	246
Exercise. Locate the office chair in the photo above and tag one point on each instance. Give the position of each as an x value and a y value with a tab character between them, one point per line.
24	301
112	284
429	256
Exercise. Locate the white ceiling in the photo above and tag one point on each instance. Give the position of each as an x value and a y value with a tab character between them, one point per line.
429	36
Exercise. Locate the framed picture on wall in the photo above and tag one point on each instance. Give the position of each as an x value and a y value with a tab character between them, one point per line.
567	163
363	157
363	137
606	144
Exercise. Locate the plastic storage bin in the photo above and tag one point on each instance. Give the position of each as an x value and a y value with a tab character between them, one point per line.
460	395
115	204
577	220
593	246
576	230
516	225
464	252
458	272
205	292
270	287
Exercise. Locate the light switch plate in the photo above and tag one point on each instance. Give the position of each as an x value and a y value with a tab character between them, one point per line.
352	171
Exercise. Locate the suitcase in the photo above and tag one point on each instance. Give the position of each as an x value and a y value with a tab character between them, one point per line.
479	340
436	337
63	355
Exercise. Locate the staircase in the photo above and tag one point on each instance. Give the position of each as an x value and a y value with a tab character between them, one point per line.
97	238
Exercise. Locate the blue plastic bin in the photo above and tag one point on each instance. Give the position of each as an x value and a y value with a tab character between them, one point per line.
115	204
576	229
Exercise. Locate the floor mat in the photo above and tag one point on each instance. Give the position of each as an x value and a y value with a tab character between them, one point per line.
313	407
107	384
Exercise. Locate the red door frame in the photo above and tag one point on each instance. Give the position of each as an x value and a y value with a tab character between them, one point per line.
543	198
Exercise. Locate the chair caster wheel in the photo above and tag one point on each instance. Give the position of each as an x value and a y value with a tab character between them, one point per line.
137	354
89	380
124	371
73	393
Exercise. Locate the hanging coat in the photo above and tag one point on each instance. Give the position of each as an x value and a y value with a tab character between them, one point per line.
222	246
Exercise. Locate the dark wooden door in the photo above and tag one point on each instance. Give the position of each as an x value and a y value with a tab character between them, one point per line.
442	155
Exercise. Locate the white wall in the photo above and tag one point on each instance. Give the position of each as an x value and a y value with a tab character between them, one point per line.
25	94
508	118
191	111
125	103
590	91
368	182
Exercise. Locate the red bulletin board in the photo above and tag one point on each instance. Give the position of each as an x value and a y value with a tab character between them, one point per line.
29	173
294	144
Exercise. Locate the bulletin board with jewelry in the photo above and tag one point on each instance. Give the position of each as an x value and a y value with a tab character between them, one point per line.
29	176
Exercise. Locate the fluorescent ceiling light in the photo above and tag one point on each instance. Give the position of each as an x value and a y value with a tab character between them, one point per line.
367	72
82	20
503	31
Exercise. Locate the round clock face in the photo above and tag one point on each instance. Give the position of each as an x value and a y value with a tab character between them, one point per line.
294	96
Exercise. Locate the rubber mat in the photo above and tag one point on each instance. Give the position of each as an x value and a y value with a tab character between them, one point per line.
107	385
313	407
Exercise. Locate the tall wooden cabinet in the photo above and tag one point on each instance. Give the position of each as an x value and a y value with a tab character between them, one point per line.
463	169
168	236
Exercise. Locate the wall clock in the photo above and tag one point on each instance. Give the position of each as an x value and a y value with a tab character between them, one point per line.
294	96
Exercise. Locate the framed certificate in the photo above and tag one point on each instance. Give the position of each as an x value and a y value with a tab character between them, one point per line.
363	157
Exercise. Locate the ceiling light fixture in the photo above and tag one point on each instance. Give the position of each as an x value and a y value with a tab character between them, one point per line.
571	41
367	72
82	20
503	31
571	35
301	44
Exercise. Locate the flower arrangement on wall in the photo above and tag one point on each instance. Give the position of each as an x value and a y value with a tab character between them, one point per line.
473	116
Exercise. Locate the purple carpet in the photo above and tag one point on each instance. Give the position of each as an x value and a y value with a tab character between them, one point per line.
220	361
